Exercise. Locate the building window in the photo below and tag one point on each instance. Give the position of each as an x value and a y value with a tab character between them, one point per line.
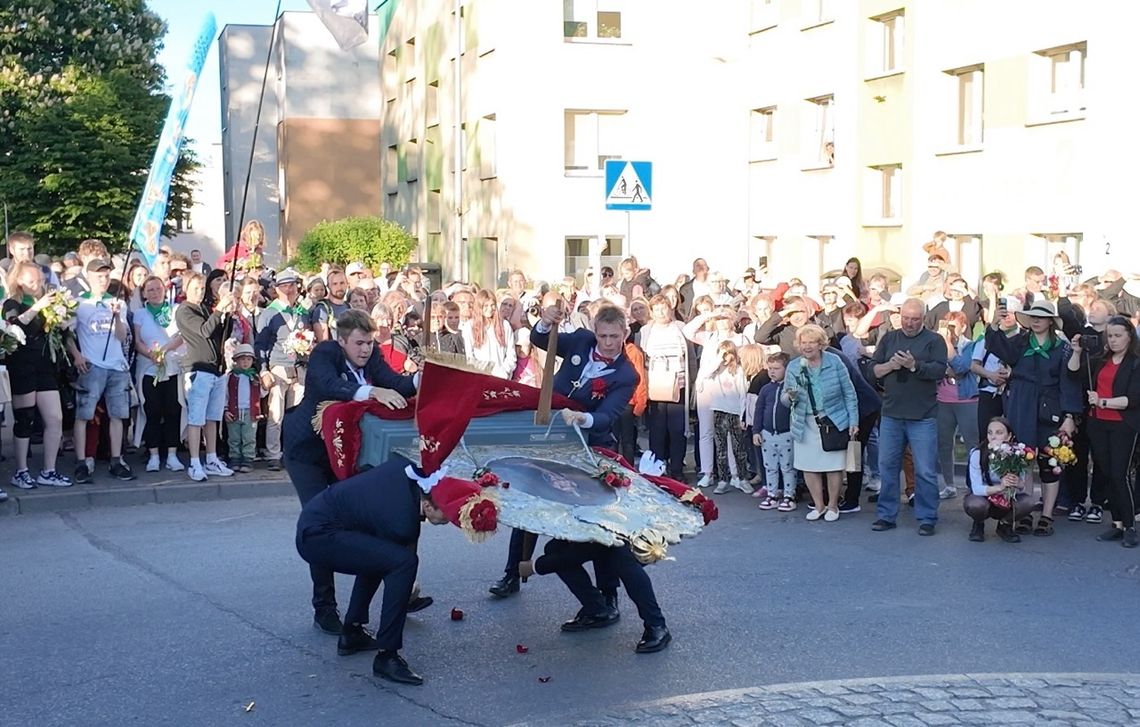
762	129
485	147
413	203
434	211
412	151
391	69
592	137
818	12
765	14
578	253
760	254
886	43
431	103
966	257
883	194
817	254
819	132
969	92
591	19
391	169
1045	246
390	203
1060	81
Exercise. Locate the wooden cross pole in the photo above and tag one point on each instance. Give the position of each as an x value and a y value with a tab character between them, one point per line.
426	333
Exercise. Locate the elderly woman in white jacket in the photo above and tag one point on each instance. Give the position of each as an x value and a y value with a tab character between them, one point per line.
723	329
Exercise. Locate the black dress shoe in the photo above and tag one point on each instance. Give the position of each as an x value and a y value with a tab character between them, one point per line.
880	525
1005	532
328	621
612	603
354	639
583	622
978	532
419	603
926	529
1129	539
1111	534
505	586
391	666
654	639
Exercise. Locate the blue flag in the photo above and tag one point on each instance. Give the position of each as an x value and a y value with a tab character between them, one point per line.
147	227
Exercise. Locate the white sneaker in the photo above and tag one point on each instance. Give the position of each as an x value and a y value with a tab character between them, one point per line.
721	488
813	515
741	485
948	493
174	464
831	516
152	464
197	473
218	467
705	481
872	485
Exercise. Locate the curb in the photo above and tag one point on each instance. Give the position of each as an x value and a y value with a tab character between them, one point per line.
78	498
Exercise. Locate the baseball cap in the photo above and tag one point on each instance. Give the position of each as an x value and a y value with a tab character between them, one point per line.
354	269
243	349
99	264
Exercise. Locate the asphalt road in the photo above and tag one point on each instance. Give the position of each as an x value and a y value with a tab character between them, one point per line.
187	613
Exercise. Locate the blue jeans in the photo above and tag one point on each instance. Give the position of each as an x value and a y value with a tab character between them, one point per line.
922	436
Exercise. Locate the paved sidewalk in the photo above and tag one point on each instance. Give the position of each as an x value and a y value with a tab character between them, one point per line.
919	701
150	488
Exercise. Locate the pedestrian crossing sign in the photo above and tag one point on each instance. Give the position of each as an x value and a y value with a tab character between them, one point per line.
629	185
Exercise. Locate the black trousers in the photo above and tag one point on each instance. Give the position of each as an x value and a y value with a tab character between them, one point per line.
1076	477
854	488
667	435
1114	451
310	480
625	431
989	406
163	428
567	560
373	561
522	548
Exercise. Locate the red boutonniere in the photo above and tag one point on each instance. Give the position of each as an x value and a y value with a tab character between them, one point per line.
598	389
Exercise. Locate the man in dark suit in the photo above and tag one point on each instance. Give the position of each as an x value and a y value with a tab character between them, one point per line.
348	368
368	526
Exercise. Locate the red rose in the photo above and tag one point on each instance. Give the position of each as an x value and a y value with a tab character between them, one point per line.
456	614
484	516
598	389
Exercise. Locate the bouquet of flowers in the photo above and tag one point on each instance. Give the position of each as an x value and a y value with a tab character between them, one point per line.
1059	450
1010	458
251	261
484	477
158	355
611	477
58	315
11	338
299	344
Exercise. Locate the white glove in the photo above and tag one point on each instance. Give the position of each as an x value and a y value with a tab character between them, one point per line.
650	465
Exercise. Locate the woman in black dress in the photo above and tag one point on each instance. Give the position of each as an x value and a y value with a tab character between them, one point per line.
33	376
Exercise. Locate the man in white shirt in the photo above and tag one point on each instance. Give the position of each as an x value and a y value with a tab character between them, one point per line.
102	367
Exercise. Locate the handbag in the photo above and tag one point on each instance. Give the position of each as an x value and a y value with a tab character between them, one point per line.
664	384
831	437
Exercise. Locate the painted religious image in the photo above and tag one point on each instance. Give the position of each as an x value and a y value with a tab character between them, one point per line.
554	481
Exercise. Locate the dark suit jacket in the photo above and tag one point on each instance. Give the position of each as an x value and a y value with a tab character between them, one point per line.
381	502
621	379
328	378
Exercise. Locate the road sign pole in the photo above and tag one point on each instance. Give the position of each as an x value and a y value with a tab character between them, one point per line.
628	235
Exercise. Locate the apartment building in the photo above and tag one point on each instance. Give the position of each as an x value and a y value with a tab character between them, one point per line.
550	90
317	153
875	123
803	131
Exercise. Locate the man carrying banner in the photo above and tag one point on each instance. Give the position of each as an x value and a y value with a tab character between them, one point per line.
349	368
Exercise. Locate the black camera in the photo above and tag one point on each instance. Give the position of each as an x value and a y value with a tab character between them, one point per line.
1092	342
1076	270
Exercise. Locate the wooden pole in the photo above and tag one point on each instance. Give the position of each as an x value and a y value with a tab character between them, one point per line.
546	397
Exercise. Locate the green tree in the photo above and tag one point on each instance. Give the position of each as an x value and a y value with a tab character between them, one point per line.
370	240
81	108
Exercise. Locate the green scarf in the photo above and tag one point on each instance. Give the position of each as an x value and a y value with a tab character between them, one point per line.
28	300
161	313
1040	349
282	307
250	372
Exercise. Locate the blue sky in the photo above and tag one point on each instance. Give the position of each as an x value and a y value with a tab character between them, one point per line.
184	20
